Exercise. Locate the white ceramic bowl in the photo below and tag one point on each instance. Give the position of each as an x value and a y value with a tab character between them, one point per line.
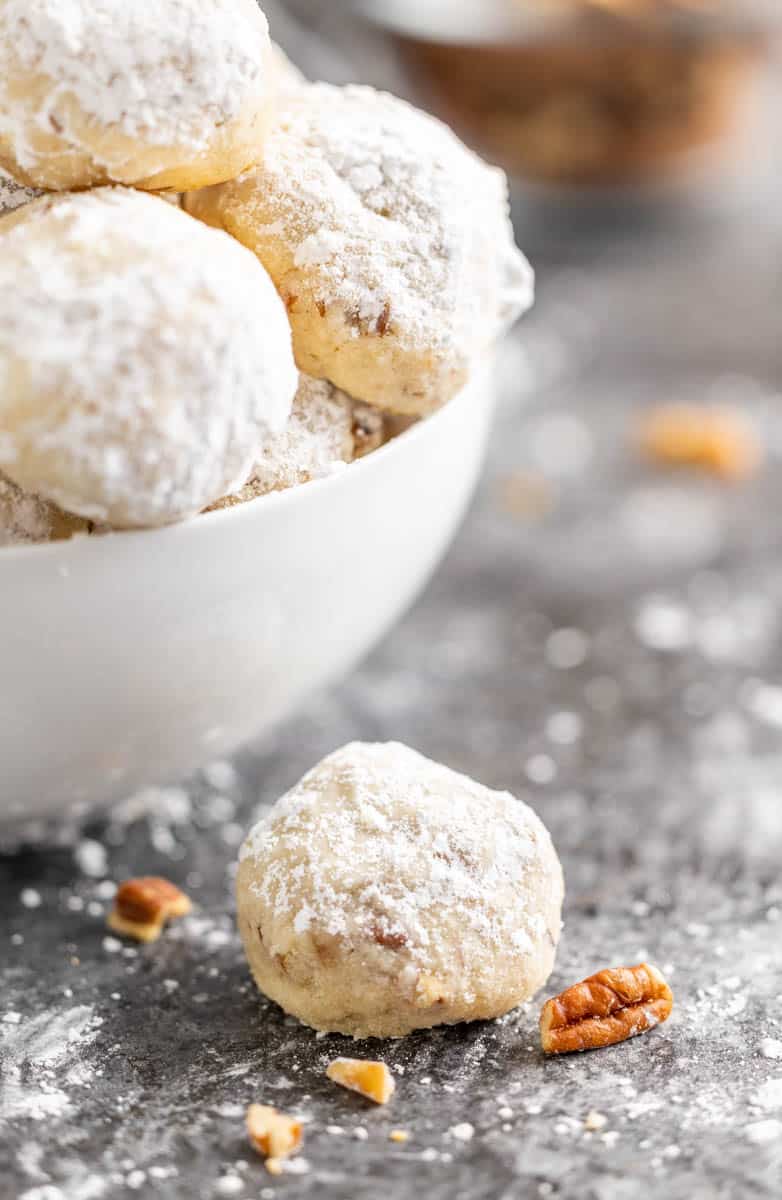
136	657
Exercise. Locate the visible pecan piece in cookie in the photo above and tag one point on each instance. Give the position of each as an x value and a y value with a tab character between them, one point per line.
606	1008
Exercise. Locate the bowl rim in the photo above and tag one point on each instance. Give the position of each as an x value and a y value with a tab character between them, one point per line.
270	502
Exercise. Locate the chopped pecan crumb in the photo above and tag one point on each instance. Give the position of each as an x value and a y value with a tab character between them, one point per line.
273	1134
142	907
719	440
321	307
606	1008
370	1079
388	938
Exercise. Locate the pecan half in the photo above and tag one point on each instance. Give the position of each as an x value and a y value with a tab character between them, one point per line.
142	907
370	1079
606	1008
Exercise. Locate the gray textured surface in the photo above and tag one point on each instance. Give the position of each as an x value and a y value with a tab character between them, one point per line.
655	758
661	793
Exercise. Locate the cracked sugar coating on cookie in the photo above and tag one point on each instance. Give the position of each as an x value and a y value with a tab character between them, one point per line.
175	94
386	893
389	241
143	362
12	194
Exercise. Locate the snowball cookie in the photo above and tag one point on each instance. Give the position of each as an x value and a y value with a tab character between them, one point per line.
27	519
388	240
289	77
165	94
386	893
12	194
144	361
326	431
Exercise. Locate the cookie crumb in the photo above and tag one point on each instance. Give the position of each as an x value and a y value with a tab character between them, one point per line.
399	1135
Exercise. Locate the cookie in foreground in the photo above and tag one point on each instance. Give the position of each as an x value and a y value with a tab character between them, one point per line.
386	893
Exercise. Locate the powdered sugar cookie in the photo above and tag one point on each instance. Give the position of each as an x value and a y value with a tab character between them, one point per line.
289	77
173	94
389	241
26	519
386	893
143	362
326	431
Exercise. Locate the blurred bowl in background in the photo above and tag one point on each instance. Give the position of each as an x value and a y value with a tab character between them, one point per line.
589	94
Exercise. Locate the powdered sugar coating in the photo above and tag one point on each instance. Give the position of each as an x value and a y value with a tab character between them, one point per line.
326	431
26	519
98	90
12	194
386	892
144	361
388	239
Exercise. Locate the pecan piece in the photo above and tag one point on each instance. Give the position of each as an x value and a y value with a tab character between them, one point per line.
273	1134
606	1008
142	907
718	440
370	1079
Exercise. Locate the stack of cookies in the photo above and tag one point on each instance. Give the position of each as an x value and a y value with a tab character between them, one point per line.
332	258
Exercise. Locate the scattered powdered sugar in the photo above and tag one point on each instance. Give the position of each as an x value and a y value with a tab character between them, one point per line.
36	1056
406	229
170	73
12	194
762	1133
768	1095
164	344
376	837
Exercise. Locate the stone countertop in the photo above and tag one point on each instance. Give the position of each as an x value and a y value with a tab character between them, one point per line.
603	640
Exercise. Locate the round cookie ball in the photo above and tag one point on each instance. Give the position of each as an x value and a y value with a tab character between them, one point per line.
326	431
386	893
172	94
144	361
289	76
389	241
